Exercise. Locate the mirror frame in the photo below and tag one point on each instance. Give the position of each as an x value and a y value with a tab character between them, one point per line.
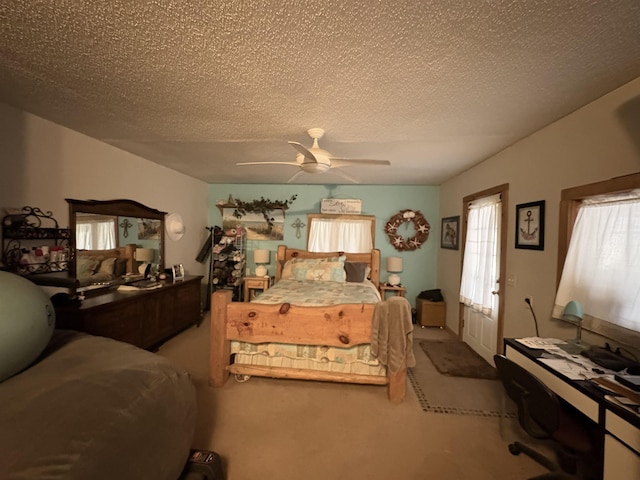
120	208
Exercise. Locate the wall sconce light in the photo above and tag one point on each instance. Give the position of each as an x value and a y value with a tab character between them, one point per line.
261	257
144	255
394	266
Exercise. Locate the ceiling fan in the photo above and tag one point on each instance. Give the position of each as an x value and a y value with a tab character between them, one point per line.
316	160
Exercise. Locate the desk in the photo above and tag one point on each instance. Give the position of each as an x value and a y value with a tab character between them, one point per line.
619	429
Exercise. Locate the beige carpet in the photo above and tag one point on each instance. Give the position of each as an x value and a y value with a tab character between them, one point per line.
288	429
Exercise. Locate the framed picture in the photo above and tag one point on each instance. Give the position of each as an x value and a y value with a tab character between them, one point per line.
178	272
530	225
450	232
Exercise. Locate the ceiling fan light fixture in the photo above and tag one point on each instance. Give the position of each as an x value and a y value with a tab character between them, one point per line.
315	167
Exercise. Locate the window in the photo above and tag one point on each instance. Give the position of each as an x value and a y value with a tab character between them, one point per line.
95	234
599	256
340	233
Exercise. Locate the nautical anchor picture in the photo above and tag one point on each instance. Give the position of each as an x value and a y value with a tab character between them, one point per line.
529	235
530	225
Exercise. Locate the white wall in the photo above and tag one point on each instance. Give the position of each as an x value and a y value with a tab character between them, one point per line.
597	142
43	163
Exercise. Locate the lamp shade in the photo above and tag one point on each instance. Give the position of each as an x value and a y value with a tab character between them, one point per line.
144	254
572	311
394	264
261	256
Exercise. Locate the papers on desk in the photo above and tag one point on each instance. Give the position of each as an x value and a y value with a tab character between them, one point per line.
538	343
574	367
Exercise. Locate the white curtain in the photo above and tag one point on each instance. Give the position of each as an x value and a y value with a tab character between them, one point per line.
96	235
602	267
480	266
340	235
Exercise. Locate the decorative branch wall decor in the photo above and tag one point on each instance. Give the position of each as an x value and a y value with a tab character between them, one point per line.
421	227
264	206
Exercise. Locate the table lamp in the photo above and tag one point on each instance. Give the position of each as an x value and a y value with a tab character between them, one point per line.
573	313
144	255
394	266
261	257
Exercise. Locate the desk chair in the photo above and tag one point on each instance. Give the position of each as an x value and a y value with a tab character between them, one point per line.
543	416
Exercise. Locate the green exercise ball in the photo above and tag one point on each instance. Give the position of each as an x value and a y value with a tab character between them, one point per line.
27	320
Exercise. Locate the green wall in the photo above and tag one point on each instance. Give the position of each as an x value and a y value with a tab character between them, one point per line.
420	266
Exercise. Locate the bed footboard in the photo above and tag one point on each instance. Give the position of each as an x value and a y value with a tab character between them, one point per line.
335	325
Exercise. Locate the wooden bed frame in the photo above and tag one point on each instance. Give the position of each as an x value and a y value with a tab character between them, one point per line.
343	325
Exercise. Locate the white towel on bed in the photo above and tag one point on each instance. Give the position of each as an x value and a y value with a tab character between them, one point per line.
392	334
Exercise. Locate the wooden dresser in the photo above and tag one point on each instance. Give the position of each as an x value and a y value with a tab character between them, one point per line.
144	318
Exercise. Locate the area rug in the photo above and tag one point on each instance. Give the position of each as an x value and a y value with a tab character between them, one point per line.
446	394
457	359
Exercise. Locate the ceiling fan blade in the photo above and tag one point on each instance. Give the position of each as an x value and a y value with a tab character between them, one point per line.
303	150
345	175
343	162
295	164
295	175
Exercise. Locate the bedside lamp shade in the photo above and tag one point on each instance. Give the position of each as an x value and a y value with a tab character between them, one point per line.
144	255
261	257
394	266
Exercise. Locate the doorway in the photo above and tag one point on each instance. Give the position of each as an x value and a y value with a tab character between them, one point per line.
481	307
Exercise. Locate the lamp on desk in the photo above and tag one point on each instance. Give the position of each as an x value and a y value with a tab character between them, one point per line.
573	313
261	257
394	266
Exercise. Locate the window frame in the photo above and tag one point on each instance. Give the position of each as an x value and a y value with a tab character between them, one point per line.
570	201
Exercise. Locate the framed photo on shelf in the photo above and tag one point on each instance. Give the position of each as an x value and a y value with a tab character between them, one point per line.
178	272
450	233
530	225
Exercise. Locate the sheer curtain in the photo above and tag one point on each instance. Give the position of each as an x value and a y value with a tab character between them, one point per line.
602	267
480	266
96	235
350	236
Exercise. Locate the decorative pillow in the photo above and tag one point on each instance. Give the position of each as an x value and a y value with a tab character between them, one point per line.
320	271
86	266
107	266
287	269
355	271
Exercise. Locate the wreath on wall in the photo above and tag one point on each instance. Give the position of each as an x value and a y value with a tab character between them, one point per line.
420	225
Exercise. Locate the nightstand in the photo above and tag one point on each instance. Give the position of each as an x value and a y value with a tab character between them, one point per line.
255	283
397	290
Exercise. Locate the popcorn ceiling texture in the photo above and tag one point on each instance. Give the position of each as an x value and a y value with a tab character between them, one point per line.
434	86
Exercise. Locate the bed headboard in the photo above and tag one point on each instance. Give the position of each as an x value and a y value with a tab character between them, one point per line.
372	258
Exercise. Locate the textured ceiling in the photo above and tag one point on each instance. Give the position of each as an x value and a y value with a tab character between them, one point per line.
198	85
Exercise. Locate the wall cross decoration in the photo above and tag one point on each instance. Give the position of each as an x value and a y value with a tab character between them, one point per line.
125	225
298	225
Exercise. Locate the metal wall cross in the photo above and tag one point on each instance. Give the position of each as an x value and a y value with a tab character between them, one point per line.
298	225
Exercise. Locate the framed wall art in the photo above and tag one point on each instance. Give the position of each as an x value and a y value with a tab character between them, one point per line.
530	225
450	233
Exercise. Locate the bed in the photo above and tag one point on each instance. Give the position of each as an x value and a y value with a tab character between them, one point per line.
103	266
92	407
252	339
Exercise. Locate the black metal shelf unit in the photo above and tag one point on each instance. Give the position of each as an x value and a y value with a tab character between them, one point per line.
33	243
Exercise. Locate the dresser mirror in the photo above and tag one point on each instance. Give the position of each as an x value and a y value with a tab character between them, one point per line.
114	238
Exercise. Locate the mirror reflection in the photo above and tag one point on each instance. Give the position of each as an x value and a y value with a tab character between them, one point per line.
115	240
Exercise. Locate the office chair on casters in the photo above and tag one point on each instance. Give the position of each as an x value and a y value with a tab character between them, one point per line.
543	416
